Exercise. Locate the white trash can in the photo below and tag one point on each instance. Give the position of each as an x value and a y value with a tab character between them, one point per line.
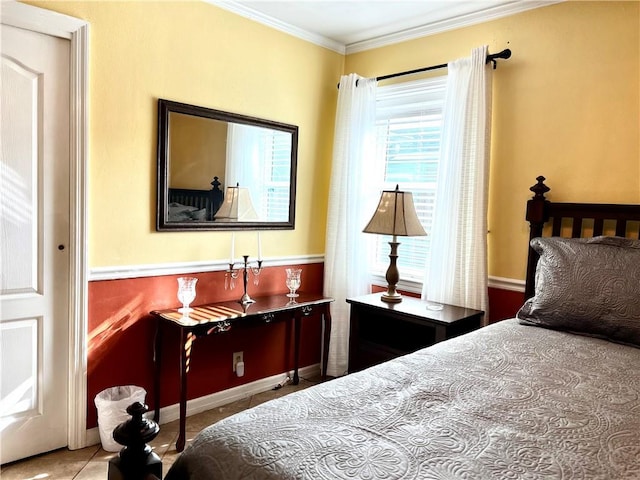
112	406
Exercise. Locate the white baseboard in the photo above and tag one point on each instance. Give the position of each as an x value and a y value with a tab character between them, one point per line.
201	404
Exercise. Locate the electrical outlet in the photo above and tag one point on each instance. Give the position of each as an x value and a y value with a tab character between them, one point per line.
237	357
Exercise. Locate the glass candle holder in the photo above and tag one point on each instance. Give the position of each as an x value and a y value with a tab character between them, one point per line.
186	292
293	281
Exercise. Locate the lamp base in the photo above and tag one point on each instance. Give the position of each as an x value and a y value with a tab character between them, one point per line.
391	297
392	276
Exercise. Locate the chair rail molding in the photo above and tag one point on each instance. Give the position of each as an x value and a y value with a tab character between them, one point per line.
179	268
503	283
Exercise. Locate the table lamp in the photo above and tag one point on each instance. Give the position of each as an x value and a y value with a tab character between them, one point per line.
396	216
237	205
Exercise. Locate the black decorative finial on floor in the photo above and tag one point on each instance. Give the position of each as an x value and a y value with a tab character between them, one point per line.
136	461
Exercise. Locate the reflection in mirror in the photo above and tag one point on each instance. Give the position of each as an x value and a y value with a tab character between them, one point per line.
211	162
237	206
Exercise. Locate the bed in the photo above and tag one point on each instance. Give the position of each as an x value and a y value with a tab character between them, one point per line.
190	205
553	393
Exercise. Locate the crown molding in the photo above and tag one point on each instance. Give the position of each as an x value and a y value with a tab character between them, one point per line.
461	21
491	13
239	9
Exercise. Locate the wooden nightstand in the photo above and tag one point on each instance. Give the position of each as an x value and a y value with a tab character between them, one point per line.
381	331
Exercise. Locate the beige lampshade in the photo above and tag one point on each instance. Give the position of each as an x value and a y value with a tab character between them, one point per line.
395	215
237	206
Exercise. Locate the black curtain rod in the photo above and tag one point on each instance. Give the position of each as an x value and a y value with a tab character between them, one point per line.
492	57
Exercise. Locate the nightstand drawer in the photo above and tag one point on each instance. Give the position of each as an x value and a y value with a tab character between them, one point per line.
395	334
369	354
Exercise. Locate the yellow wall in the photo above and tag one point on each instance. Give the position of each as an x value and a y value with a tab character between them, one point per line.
196	53
197	151
566	106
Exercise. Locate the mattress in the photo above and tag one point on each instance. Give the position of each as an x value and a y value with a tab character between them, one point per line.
508	401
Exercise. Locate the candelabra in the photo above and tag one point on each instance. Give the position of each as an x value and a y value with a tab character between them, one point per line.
234	273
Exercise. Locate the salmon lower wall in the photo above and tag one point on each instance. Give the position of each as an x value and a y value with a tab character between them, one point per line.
504	304
121	336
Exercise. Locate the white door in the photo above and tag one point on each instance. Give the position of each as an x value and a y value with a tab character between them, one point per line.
34	243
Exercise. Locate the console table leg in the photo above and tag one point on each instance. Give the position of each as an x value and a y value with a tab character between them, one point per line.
186	341
157	352
296	349
326	318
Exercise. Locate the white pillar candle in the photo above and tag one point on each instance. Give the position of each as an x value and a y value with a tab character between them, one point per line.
259	247
233	249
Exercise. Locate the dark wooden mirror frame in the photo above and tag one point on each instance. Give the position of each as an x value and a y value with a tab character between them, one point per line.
165	107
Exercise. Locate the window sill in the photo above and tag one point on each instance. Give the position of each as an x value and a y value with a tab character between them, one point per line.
415	286
406	285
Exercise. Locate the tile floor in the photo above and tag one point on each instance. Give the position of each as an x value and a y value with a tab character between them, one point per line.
91	463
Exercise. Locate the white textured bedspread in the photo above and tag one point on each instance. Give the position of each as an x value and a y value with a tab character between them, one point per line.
505	402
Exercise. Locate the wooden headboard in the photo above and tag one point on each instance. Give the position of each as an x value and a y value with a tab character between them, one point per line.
209	199
574	220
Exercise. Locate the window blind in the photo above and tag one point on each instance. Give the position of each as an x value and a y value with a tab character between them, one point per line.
409	124
277	173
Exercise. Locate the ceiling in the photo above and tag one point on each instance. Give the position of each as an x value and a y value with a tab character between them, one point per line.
348	26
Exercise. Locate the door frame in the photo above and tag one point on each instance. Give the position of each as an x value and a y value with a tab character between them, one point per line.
77	31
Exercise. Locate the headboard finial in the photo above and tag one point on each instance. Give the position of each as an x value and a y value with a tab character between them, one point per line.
537	215
539	189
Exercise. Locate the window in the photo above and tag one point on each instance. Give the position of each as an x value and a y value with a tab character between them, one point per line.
261	157
277	176
409	123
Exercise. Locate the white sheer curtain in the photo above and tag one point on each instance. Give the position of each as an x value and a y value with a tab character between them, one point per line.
457	270
246	160
351	203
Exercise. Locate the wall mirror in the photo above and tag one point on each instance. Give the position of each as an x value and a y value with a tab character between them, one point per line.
220	170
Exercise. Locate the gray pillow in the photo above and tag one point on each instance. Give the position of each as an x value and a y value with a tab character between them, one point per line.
180	213
588	286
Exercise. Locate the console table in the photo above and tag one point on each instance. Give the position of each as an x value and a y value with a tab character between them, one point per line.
221	317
